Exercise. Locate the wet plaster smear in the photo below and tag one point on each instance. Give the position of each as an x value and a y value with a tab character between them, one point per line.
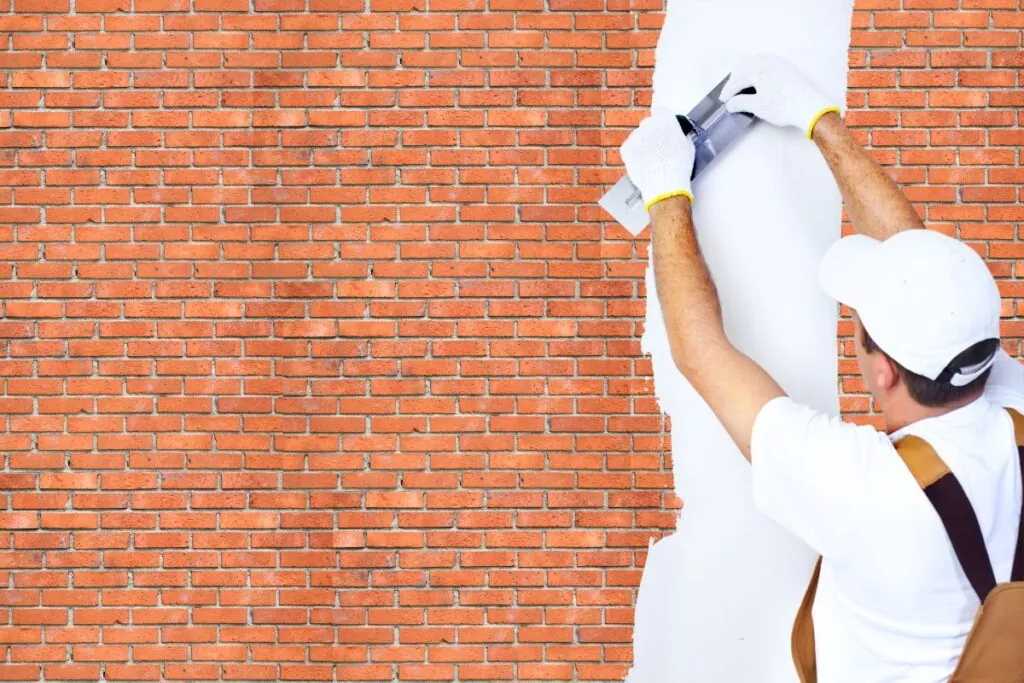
718	597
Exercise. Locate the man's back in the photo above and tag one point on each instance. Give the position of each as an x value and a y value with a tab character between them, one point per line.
893	603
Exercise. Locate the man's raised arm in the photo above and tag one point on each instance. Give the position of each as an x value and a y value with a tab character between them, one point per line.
876	206
659	159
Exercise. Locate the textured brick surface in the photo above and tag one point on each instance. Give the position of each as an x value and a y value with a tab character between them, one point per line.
319	362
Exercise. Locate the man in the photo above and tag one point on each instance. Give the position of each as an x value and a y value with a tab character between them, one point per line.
893	603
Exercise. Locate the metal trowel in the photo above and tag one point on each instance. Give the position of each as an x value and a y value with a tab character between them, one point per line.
712	129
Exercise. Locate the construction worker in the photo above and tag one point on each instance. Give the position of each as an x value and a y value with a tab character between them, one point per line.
893	603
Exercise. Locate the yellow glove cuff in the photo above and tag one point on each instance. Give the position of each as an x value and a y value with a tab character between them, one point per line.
666	195
818	117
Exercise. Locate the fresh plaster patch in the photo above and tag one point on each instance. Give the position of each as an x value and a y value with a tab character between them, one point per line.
717	598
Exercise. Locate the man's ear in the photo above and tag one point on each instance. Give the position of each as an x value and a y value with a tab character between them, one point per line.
887	375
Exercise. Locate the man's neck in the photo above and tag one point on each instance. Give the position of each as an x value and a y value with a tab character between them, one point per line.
908	411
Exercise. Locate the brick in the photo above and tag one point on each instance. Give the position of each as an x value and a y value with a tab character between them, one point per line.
372	335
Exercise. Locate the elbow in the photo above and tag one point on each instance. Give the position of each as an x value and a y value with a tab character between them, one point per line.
691	371
693	355
684	356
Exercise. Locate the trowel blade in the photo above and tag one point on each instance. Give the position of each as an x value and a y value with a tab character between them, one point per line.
626	206
711	128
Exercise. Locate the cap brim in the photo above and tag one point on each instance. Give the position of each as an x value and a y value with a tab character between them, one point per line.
846	268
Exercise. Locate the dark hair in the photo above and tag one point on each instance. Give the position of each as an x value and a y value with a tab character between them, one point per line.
937	393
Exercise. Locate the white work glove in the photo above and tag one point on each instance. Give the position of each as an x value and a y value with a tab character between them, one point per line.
659	158
784	96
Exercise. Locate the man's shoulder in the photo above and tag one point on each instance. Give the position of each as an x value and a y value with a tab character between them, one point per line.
810	469
786	421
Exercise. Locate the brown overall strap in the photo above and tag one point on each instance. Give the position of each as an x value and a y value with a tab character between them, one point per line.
950	501
954	509
802	640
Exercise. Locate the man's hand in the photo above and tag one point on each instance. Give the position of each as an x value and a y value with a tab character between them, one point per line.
784	96
659	158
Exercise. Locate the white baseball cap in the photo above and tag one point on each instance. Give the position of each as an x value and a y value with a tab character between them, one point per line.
924	298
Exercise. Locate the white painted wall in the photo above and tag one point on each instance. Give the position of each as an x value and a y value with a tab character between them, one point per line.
717	598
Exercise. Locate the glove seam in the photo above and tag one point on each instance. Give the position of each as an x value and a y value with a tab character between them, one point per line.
818	117
668	195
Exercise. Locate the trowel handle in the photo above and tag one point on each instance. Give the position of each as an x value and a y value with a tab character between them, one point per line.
687	125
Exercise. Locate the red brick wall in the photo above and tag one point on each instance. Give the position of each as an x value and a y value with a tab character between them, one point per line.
319	363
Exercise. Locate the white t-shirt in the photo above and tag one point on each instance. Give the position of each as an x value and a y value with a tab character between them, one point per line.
893	603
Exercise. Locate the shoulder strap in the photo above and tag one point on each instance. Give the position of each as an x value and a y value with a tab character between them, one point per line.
802	639
1018	559
951	503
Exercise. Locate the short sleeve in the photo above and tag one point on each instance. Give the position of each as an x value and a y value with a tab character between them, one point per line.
811	471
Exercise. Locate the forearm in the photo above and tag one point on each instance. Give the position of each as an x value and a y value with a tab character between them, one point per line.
689	300
875	204
733	386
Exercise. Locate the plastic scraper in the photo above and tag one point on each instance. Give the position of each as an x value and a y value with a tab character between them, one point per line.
712	129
